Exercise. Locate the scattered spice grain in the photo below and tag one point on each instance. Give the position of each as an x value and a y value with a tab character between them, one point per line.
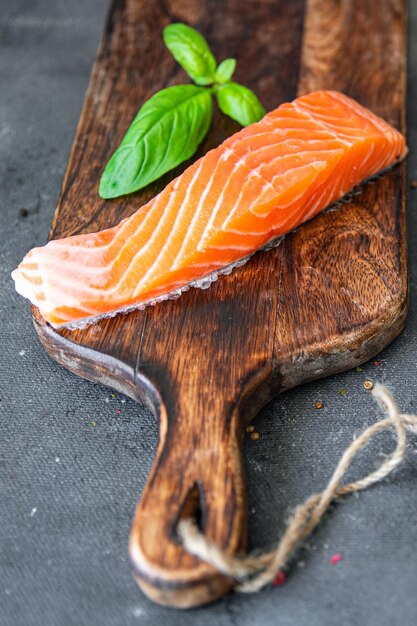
280	579
336	558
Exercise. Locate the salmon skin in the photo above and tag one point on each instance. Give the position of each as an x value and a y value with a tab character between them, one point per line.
259	184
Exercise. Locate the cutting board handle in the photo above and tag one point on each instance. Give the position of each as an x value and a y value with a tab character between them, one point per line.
197	473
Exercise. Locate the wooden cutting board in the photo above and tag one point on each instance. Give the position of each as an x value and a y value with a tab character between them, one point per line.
331	296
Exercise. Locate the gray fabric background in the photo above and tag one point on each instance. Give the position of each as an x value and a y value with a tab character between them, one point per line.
71	469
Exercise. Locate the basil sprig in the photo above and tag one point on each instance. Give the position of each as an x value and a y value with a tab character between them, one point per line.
172	123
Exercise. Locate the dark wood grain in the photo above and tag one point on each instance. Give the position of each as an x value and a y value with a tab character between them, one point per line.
329	297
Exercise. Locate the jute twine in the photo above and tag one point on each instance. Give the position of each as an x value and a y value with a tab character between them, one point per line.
254	571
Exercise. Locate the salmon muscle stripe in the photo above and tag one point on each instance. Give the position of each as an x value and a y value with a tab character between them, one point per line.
256	186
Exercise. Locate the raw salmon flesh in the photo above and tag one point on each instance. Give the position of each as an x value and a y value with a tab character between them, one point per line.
259	184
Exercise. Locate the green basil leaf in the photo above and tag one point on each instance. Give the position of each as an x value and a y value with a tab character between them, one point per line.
165	132
239	103
191	51
225	71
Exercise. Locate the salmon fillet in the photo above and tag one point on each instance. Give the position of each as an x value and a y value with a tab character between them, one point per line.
259	184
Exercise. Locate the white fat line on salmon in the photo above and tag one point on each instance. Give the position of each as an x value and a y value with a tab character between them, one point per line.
81	269
328	136
311	211
316	200
260	213
247	233
267	186
54	280
226	247
290	153
317	122
235	169
368	155
288	224
378	123
316	166
208	264
171	239
284	133
340	134
340	194
319	166
313	126
228	152
151	215
353	132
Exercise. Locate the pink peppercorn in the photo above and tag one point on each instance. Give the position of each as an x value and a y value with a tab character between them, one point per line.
336	558
279	579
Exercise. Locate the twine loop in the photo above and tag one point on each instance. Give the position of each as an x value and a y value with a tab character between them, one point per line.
253	572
